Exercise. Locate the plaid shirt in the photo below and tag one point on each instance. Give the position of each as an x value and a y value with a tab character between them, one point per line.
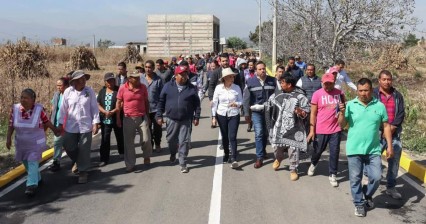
26	114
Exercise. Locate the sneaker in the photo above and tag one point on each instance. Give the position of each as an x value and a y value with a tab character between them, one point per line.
101	164
393	193
74	169
369	203
293	175
258	163
184	169
30	190
82	177
332	179
221	147
234	165
55	166
276	165
360	211
226	159
311	170
173	158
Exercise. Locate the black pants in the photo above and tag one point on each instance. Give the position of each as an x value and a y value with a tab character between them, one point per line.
156	130
320	144
228	128
106	141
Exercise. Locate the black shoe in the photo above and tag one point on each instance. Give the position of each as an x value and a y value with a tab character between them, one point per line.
226	159
101	164
30	190
54	167
249	128
173	158
369	204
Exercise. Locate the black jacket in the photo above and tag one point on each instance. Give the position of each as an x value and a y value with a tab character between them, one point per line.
399	107
177	105
214	80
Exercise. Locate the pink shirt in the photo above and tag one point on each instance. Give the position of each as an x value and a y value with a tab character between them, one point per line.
327	103
133	100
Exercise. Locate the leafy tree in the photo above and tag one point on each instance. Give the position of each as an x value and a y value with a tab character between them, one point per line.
411	40
236	43
254	36
103	44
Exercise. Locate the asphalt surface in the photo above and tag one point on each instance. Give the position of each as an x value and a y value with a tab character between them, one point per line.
161	194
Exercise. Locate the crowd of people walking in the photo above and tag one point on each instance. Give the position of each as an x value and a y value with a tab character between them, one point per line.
291	110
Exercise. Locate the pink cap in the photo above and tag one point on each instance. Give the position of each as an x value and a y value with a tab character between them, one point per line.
327	77
333	70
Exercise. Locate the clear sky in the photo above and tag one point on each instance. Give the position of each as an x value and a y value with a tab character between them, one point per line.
125	20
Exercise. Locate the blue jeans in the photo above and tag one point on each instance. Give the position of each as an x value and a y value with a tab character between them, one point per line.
393	163
260	133
228	128
372	164
58	143
320	144
33	173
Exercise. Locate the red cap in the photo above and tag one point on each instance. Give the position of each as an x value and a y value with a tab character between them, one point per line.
328	77
181	68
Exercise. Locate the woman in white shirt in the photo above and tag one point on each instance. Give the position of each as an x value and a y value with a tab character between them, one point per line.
227	100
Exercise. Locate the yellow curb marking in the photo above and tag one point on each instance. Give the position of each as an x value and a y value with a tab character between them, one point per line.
411	167
18	171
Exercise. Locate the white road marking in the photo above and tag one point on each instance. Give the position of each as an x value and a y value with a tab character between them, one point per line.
216	198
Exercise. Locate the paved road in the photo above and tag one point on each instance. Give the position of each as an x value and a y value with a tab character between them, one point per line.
209	193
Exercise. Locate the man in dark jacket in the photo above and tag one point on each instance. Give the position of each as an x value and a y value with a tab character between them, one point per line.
394	104
180	101
217	74
295	71
257	92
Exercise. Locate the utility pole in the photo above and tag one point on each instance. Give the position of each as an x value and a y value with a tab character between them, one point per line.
94	40
260	28
274	36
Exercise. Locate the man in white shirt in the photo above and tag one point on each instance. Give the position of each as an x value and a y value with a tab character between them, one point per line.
341	75
80	111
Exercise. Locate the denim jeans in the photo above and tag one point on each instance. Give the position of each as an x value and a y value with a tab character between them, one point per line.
320	144
58	143
228	128
393	163
260	133
372	165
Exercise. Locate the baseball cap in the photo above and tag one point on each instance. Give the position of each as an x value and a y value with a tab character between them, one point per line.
108	76
181	68
327	77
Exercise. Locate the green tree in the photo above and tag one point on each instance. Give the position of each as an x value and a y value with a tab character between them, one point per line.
103	44
410	40
236	43
254	36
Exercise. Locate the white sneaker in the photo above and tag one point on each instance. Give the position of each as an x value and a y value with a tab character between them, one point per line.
333	180
234	165
311	170
393	193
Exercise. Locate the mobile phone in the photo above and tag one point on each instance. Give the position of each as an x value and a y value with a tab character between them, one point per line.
342	98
